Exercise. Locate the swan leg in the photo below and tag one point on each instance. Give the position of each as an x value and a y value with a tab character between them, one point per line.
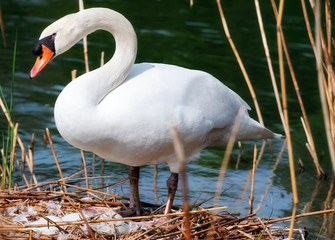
172	185
134	202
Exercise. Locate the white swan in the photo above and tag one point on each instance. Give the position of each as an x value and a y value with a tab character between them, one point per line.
124	112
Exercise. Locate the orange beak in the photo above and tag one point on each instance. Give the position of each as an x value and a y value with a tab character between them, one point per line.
41	61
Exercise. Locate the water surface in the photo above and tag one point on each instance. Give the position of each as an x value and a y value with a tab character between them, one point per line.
172	32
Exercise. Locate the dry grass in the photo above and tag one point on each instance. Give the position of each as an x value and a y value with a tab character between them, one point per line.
199	224
21	209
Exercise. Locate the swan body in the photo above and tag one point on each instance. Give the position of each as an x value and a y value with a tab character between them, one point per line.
124	112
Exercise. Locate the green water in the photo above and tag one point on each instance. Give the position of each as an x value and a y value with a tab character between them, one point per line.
172	32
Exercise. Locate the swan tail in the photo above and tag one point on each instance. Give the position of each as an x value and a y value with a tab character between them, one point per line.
253	130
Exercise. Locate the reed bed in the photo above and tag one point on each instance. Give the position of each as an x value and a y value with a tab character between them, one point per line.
23	208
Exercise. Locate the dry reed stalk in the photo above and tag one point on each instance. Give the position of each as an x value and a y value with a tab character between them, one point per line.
311	38
83	217
73	74
82	153
330	217
251	200
2	26
29	188
93	191
227	156
93	168
308	131
12	154
247	181
244	72
30	163
260	155
324	47
1	169
328	26
24	156
156	227
102	58
265	228
179	150
155	182
308	26
54	154
268	59
102	187
322	90
261	152
329	197
24	227
284	219
85	167
314	194
287	129
329	91
81	7
270	176
22	172
102	164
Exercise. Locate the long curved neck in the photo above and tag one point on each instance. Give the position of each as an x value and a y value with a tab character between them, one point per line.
106	78
76	108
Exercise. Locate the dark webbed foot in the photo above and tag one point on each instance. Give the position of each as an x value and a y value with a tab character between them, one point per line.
135	207
172	185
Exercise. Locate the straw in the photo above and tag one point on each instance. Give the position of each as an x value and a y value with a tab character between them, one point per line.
268	59
296	87
251	200
246	77
84	167
12	155
227	155
81	7
319	40
179	149
287	129
54	154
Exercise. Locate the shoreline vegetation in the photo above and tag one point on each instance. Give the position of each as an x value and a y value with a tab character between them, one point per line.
22	206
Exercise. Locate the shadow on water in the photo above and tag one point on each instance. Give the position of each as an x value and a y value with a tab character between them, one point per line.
172	32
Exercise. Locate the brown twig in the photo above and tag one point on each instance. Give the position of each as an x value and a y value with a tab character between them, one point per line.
81	7
302	107
14	227
179	149
325	111
251	200
84	167
268	59
238	58
287	129
54	154
227	155
92	190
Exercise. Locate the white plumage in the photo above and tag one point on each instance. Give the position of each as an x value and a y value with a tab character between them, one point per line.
124	112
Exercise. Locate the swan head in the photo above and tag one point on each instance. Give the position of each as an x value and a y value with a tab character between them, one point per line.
56	39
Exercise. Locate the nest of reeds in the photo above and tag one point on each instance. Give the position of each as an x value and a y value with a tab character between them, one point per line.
64	215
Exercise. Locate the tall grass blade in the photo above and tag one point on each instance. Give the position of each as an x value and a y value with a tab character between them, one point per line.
8	143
